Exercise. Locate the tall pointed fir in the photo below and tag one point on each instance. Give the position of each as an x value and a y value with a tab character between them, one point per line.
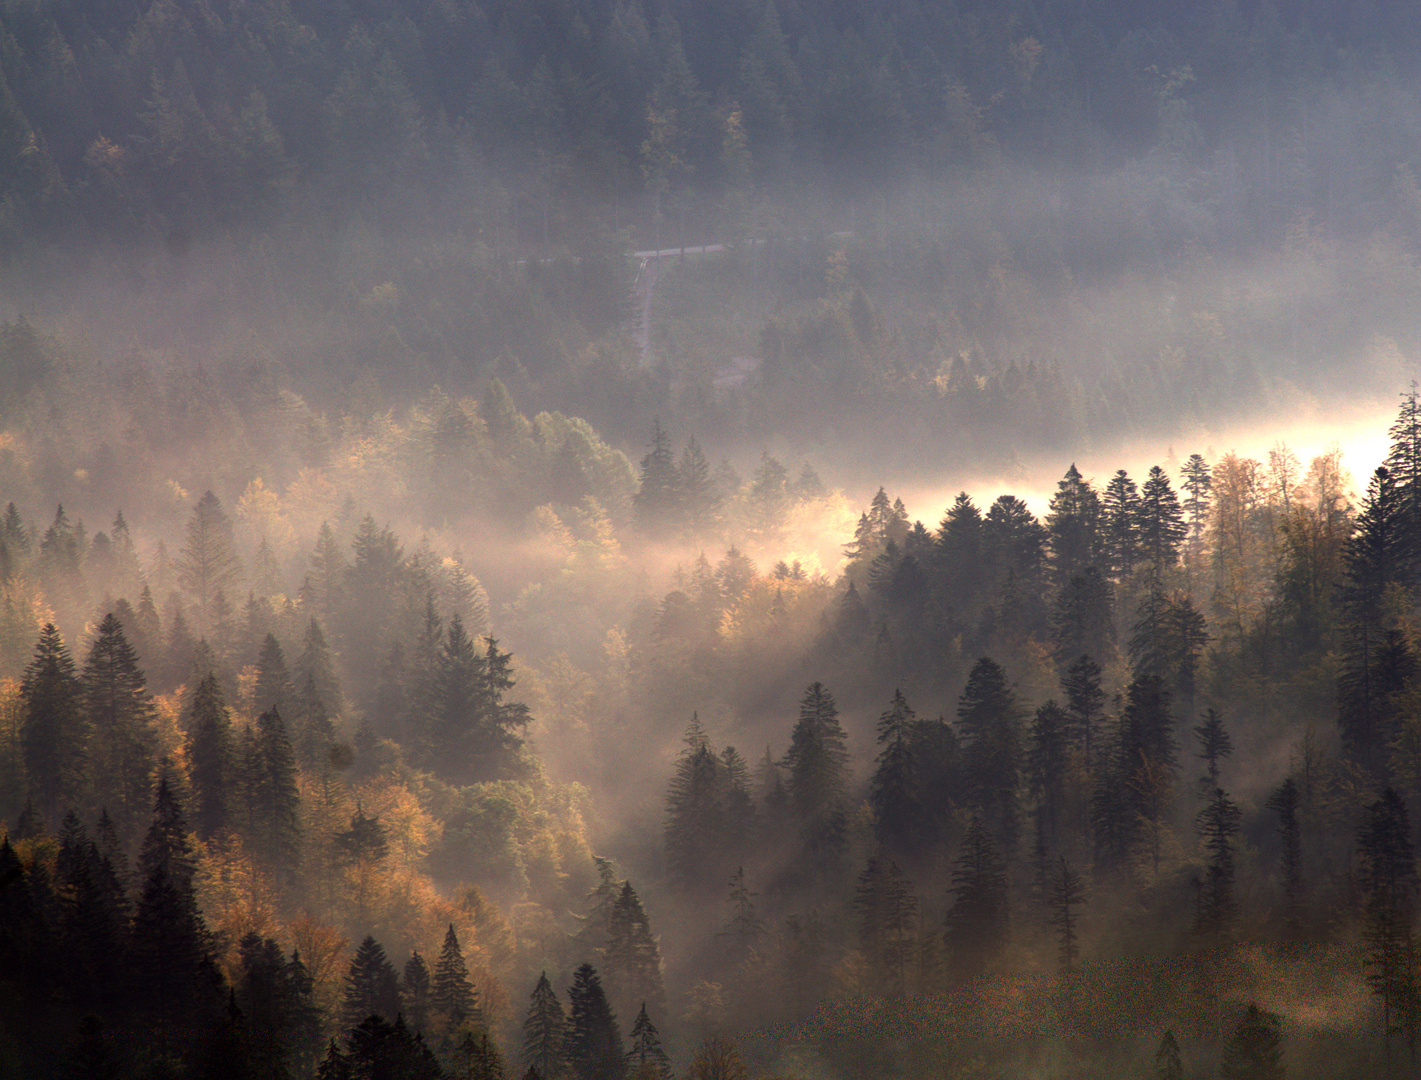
371	986
632	959
277	828
817	763
1073	522
122	716
989	718
646	1060
208	564
545	1032
594	1042
887	915
209	752
975	931
899	821
1218	824
273	688
1388	880
657	498
54	730
453	1000
416	989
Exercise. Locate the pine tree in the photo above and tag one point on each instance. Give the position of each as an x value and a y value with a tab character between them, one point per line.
1067	895
1120	526
1198	484
372	988
453	999
989	719
273	687
1285	803
55	733
477	1058
1162	525
594	1044
646	1060
208	564
1254	1051
416	990
745	930
1048	762
1082	623
1085	704
699	498
1218	824
893	791
122	716
976	925
545	1032
632	959
658	496
1073	522
887	908
817	763
315	665
695	831
328	572
1388	880
1214	746
277	828
1167	1063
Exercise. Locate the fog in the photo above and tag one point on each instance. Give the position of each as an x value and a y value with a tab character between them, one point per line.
954	627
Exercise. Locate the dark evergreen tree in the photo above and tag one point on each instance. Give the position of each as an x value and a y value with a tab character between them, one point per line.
893	791
887	923
1085	704
1387	877
276	828
646	1060
209	758
1120	523
273	686
1218	824
55	733
315	666
1167	1063
121	715
545	1032
454	1000
372	989
1214	746
632	959
477	1058
379	1049
1285	802
1074	523
1198	484
817	764
416	991
699	498
594	1045
1374	563
976	926
744	930
208	564
1254	1051
1083	623
989	719
1048	764
658	496
1066	896
1162	525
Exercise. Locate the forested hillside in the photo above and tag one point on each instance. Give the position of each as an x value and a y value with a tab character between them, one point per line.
439	641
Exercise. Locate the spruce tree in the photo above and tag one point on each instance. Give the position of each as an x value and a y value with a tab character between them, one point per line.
1218	824
1162	525
316	666
1254	1051
976	926
817	764
1388	881
1285	802
545	1032
1167	1063
277	834
632	959
1082	622
1214	746
1120	526
1074	523
273	686
646	1060
657	498
1085	704
55	733
989	719
372	988
122	717
1067	894
594	1043
416	991
453	998
893	791
887	909
208	564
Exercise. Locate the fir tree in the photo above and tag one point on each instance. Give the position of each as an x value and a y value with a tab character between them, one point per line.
372	988
1254	1051
415	990
1162	525
632	959
55	733
1214	746
1066	897
657	499
1285	803
273	687
1167	1063
989	719
745	930
594	1044
453	999
122	716
1120	526
1085	704
545	1032
893	791
1073	522
1218	824
887	910
817	764
646	1060
208	564
976	925
1388	880
277	826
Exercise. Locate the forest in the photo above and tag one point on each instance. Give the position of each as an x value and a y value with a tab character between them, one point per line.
453	627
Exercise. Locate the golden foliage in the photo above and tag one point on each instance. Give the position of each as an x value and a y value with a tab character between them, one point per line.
235	897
